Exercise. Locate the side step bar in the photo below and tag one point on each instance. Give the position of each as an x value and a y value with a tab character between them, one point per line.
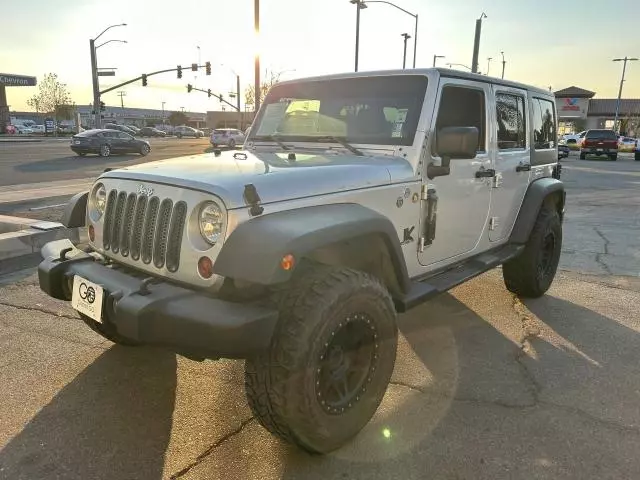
425	288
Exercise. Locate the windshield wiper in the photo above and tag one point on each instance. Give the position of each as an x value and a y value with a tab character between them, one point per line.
341	141
272	138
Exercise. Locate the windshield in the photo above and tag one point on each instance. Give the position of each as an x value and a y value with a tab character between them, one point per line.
369	110
601	135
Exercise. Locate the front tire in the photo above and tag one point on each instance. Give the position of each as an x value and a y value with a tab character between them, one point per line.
179	135
81	154
530	274
144	150
108	331
330	359
637	156
613	157
583	156
105	151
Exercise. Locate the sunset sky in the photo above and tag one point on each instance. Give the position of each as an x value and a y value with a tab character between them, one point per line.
546	42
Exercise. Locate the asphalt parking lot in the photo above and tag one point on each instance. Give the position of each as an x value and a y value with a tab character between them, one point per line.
485	385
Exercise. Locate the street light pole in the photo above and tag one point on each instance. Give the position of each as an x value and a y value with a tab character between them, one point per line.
256	73
436	57
359	6
503	63
489	64
404	55
476	43
624	69
163	113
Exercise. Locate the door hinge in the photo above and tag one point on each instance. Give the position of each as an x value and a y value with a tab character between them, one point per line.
421	244
493	223
497	180
424	195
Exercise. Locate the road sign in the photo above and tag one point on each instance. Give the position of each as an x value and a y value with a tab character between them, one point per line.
9	80
49	125
107	73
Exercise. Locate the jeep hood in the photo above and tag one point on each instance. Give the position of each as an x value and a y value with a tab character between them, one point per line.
275	177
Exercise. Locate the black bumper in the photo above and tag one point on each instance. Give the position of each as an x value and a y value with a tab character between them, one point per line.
78	149
188	322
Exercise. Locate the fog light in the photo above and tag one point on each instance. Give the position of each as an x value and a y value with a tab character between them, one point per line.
205	267
92	233
287	262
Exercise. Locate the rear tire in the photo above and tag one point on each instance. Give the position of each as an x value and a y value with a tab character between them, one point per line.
583	156
179	135
105	151
613	157
530	274
81	154
330	359
108	331
637	156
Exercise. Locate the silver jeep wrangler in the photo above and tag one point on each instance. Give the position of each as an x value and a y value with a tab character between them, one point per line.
356	197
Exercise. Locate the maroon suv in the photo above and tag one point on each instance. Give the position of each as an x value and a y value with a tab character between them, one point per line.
600	142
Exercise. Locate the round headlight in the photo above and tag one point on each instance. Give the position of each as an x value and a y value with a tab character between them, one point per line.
211	225
98	202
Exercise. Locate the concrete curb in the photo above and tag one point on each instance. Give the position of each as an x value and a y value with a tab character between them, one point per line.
24	237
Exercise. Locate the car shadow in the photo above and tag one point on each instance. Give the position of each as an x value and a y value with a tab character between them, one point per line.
74	162
112	421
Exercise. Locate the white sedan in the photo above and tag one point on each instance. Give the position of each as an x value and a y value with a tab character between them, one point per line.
227	136
21	129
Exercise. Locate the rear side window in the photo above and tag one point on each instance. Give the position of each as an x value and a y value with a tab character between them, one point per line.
544	124
511	121
602	135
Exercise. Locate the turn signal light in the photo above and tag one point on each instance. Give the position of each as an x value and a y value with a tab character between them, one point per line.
205	267
287	262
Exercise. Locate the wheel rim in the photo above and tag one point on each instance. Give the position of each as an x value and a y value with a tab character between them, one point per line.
546	254
105	150
145	149
347	364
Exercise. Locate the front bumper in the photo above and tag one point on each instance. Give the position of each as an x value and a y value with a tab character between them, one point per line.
187	321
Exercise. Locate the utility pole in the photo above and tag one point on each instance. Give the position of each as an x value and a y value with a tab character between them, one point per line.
96	88
476	43
163	112
503	63
624	69
256	73
240	114
122	94
404	55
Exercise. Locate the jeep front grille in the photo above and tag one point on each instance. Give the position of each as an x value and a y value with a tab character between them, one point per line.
144	228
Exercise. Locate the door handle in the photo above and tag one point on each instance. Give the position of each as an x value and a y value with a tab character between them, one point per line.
488	173
523	167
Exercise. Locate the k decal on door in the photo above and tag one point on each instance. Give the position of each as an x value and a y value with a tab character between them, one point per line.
408	235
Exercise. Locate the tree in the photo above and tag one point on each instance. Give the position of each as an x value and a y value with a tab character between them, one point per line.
267	83
52	98
177	118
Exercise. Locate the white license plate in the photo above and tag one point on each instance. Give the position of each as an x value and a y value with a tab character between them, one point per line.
77	142
87	298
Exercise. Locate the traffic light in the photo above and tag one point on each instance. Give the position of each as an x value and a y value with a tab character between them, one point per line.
209	93
102	107
144	79
179	71
208	67
189	88
194	67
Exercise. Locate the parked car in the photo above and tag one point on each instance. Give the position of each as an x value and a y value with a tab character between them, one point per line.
626	144
229	137
184	131
637	151
122	128
22	130
11	129
104	142
38	129
299	259
600	142
151	132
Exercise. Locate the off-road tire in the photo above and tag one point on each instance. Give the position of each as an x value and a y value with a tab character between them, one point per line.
283	384
105	151
108	331
530	274
583	156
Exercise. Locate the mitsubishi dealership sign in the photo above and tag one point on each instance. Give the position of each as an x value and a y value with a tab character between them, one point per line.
572	107
9	80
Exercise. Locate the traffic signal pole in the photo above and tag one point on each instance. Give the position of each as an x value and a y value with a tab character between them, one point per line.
144	75
208	92
96	87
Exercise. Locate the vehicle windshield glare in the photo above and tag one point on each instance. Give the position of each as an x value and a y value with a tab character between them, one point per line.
381	110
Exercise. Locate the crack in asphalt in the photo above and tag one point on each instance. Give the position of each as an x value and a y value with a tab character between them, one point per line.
38	309
211	448
606	251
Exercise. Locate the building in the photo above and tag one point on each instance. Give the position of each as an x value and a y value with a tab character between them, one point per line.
139	117
578	110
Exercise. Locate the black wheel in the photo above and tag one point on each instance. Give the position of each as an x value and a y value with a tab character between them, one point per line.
81	154
530	274
179	135
637	156
583	156
330	359
232	143
613	157
108	331
144	150
105	150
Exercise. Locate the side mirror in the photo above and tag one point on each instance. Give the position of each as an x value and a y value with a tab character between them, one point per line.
453	143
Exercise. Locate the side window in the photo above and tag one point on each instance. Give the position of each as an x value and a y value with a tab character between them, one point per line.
463	107
544	124
124	136
511	121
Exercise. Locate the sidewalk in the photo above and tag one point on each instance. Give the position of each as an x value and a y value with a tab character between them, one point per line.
36	191
28	139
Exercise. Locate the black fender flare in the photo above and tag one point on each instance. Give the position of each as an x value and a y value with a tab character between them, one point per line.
254	250
75	213
537	192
